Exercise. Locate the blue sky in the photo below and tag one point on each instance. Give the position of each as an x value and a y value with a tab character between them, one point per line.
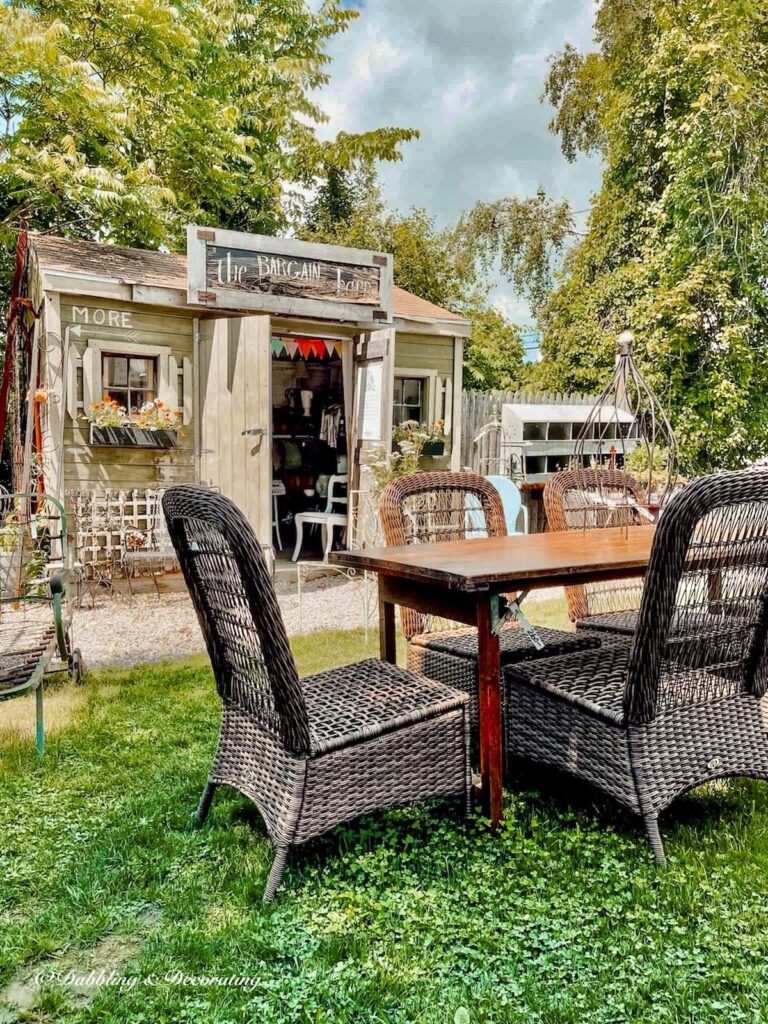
469	75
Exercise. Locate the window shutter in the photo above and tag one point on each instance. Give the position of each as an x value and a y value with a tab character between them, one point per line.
91	376
70	381
448	406
167	387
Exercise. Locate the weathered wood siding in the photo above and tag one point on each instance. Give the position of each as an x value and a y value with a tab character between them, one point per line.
104	321
424	352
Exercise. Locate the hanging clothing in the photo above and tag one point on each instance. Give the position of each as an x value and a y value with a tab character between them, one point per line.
330	425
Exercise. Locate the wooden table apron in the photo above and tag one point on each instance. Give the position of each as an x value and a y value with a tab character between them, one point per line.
466	588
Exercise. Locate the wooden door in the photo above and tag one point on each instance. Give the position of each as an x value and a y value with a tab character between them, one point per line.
235	399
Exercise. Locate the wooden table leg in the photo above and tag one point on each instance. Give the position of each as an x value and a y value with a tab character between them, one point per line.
387	638
489	694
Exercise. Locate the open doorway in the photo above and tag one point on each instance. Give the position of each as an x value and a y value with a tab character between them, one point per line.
309	447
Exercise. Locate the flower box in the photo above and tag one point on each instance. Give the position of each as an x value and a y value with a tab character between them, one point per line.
433	448
133	437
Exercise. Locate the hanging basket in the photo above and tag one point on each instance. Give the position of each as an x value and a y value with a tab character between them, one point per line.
626	452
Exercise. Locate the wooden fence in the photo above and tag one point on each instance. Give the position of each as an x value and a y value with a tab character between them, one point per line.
480	408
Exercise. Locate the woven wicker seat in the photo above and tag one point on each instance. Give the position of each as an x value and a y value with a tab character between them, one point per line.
605	606
315	752
680	702
444	507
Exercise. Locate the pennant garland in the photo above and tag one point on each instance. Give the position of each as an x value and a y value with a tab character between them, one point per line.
306	347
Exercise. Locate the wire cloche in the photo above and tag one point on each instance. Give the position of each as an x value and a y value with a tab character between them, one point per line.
628	432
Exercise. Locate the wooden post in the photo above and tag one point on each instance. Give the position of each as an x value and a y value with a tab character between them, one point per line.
489	695
387	638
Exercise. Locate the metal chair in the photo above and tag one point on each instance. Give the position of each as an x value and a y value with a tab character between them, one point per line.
609	606
315	752
156	553
682	703
444	507
35	605
327	520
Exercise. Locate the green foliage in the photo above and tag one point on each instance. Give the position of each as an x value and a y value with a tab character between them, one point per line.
493	360
407	915
676	100
126	120
525	237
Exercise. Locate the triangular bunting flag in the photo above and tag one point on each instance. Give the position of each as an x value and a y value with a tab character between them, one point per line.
305	347
330	348
291	347
278	346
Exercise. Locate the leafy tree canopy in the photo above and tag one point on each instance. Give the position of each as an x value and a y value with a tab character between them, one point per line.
675	99
126	119
443	266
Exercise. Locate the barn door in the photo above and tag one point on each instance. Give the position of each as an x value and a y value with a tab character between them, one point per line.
235	381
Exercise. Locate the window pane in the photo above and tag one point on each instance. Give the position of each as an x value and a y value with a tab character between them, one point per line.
140	373
412	392
116	395
115	371
398	391
138	398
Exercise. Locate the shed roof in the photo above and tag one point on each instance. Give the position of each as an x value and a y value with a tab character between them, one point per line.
169	270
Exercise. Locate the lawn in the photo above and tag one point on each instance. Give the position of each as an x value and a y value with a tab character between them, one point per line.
411	915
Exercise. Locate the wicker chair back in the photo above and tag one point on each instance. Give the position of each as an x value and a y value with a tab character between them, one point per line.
426	508
701	631
567	509
231	588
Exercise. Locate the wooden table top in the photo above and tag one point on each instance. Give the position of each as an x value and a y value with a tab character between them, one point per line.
530	560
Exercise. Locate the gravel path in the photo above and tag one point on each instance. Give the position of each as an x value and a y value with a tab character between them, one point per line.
123	632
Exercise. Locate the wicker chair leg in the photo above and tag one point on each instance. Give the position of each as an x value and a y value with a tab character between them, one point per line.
205	803
275	873
651	823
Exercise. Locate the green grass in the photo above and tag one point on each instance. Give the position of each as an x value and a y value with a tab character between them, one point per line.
412	915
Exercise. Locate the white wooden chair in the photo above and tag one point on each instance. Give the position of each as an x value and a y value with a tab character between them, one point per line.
327	520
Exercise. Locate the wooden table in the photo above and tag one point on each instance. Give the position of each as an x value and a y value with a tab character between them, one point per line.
465	581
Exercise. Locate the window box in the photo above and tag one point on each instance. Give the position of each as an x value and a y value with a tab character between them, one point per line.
433	448
133	437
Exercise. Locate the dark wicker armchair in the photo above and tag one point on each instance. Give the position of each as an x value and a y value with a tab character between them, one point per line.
610	606
443	507
315	752
683	703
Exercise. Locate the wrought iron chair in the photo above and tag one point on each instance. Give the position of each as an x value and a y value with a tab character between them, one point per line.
682	703
608	606
315	752
35	606
443	507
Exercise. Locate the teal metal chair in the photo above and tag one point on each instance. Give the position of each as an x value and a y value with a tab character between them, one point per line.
35	605
512	500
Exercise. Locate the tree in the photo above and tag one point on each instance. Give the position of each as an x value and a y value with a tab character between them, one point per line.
125	120
676	100
435	264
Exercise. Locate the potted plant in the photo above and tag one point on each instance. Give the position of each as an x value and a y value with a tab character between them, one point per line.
430	441
153	426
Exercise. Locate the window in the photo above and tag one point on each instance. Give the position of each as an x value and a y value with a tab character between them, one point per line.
129	380
409	400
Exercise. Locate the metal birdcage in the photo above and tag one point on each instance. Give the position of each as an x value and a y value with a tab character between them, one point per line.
496	453
627	432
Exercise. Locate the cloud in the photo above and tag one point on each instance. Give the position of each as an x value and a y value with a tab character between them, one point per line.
469	75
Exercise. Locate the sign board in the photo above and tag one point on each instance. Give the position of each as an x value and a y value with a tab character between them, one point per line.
369	400
232	270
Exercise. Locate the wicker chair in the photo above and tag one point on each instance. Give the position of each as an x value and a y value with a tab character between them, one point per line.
606	606
682	704
311	753
443	507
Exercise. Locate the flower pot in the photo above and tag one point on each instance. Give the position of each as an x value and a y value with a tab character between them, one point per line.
133	437
433	448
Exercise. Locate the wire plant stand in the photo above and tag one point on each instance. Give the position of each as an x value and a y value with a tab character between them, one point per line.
627	430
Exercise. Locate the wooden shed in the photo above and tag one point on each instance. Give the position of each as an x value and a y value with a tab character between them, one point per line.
283	363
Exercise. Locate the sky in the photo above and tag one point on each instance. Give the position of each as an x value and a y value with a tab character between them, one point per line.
469	75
